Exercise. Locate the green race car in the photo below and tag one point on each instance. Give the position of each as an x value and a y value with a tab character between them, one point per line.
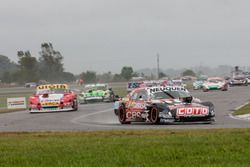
96	93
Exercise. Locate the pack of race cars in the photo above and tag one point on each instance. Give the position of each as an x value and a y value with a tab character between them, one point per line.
153	101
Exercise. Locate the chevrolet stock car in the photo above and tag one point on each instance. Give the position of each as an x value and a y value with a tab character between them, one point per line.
215	83
198	84
53	97
96	93
238	81
159	104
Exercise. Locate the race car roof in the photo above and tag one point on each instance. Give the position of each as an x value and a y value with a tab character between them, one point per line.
95	85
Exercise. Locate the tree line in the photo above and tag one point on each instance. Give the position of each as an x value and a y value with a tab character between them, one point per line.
48	67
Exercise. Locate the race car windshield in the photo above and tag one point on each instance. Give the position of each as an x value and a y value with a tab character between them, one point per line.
170	95
49	91
215	80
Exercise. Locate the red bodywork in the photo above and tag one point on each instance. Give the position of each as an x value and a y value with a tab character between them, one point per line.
54	97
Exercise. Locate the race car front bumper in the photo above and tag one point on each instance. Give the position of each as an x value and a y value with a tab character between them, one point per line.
50	109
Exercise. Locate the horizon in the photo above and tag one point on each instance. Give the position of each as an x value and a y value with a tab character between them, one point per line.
106	35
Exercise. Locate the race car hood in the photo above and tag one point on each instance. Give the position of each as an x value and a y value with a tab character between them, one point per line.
50	97
213	85
167	101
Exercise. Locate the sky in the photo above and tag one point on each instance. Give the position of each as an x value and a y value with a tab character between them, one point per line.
105	35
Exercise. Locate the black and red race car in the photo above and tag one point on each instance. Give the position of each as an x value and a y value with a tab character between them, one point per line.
162	105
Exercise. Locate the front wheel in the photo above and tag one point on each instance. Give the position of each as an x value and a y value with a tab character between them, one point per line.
154	115
122	115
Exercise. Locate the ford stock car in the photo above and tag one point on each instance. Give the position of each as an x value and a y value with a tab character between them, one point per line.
96	93
215	83
53	97
167	104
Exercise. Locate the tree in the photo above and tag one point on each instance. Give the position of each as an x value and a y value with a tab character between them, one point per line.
127	72
51	66
88	76
105	77
188	73
7	77
6	66
118	78
27	67
68	77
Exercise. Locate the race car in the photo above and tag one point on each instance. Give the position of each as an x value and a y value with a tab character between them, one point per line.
96	93
159	104
215	83
198	84
53	97
147	83
238	81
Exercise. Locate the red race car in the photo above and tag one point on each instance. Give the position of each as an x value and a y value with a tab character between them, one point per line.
53	97
162	104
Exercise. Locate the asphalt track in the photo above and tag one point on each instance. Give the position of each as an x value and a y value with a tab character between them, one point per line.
101	117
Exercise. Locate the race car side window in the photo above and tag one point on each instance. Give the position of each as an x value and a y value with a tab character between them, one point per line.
134	96
142	95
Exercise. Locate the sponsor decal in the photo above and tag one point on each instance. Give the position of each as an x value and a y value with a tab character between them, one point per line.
16	103
133	115
168	88
136	105
52	86
192	111
50	104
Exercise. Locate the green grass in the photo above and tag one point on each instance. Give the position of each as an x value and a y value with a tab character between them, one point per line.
222	148
243	110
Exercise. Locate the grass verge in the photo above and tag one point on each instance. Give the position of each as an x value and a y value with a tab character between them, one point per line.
243	110
221	147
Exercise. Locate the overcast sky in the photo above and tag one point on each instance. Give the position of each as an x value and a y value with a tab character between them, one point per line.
104	35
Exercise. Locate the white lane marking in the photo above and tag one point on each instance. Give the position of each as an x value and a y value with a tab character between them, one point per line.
76	120
242	117
237	108
245	117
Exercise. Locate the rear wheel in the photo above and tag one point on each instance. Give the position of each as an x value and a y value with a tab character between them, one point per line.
122	115
154	115
205	90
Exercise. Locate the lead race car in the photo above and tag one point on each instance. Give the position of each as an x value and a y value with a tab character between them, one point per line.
162	105
53	97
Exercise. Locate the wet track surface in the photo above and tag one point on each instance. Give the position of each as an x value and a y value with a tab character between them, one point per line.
101	117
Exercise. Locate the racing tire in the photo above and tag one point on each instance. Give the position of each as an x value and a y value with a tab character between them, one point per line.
154	115
122	115
75	105
224	88
205	90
